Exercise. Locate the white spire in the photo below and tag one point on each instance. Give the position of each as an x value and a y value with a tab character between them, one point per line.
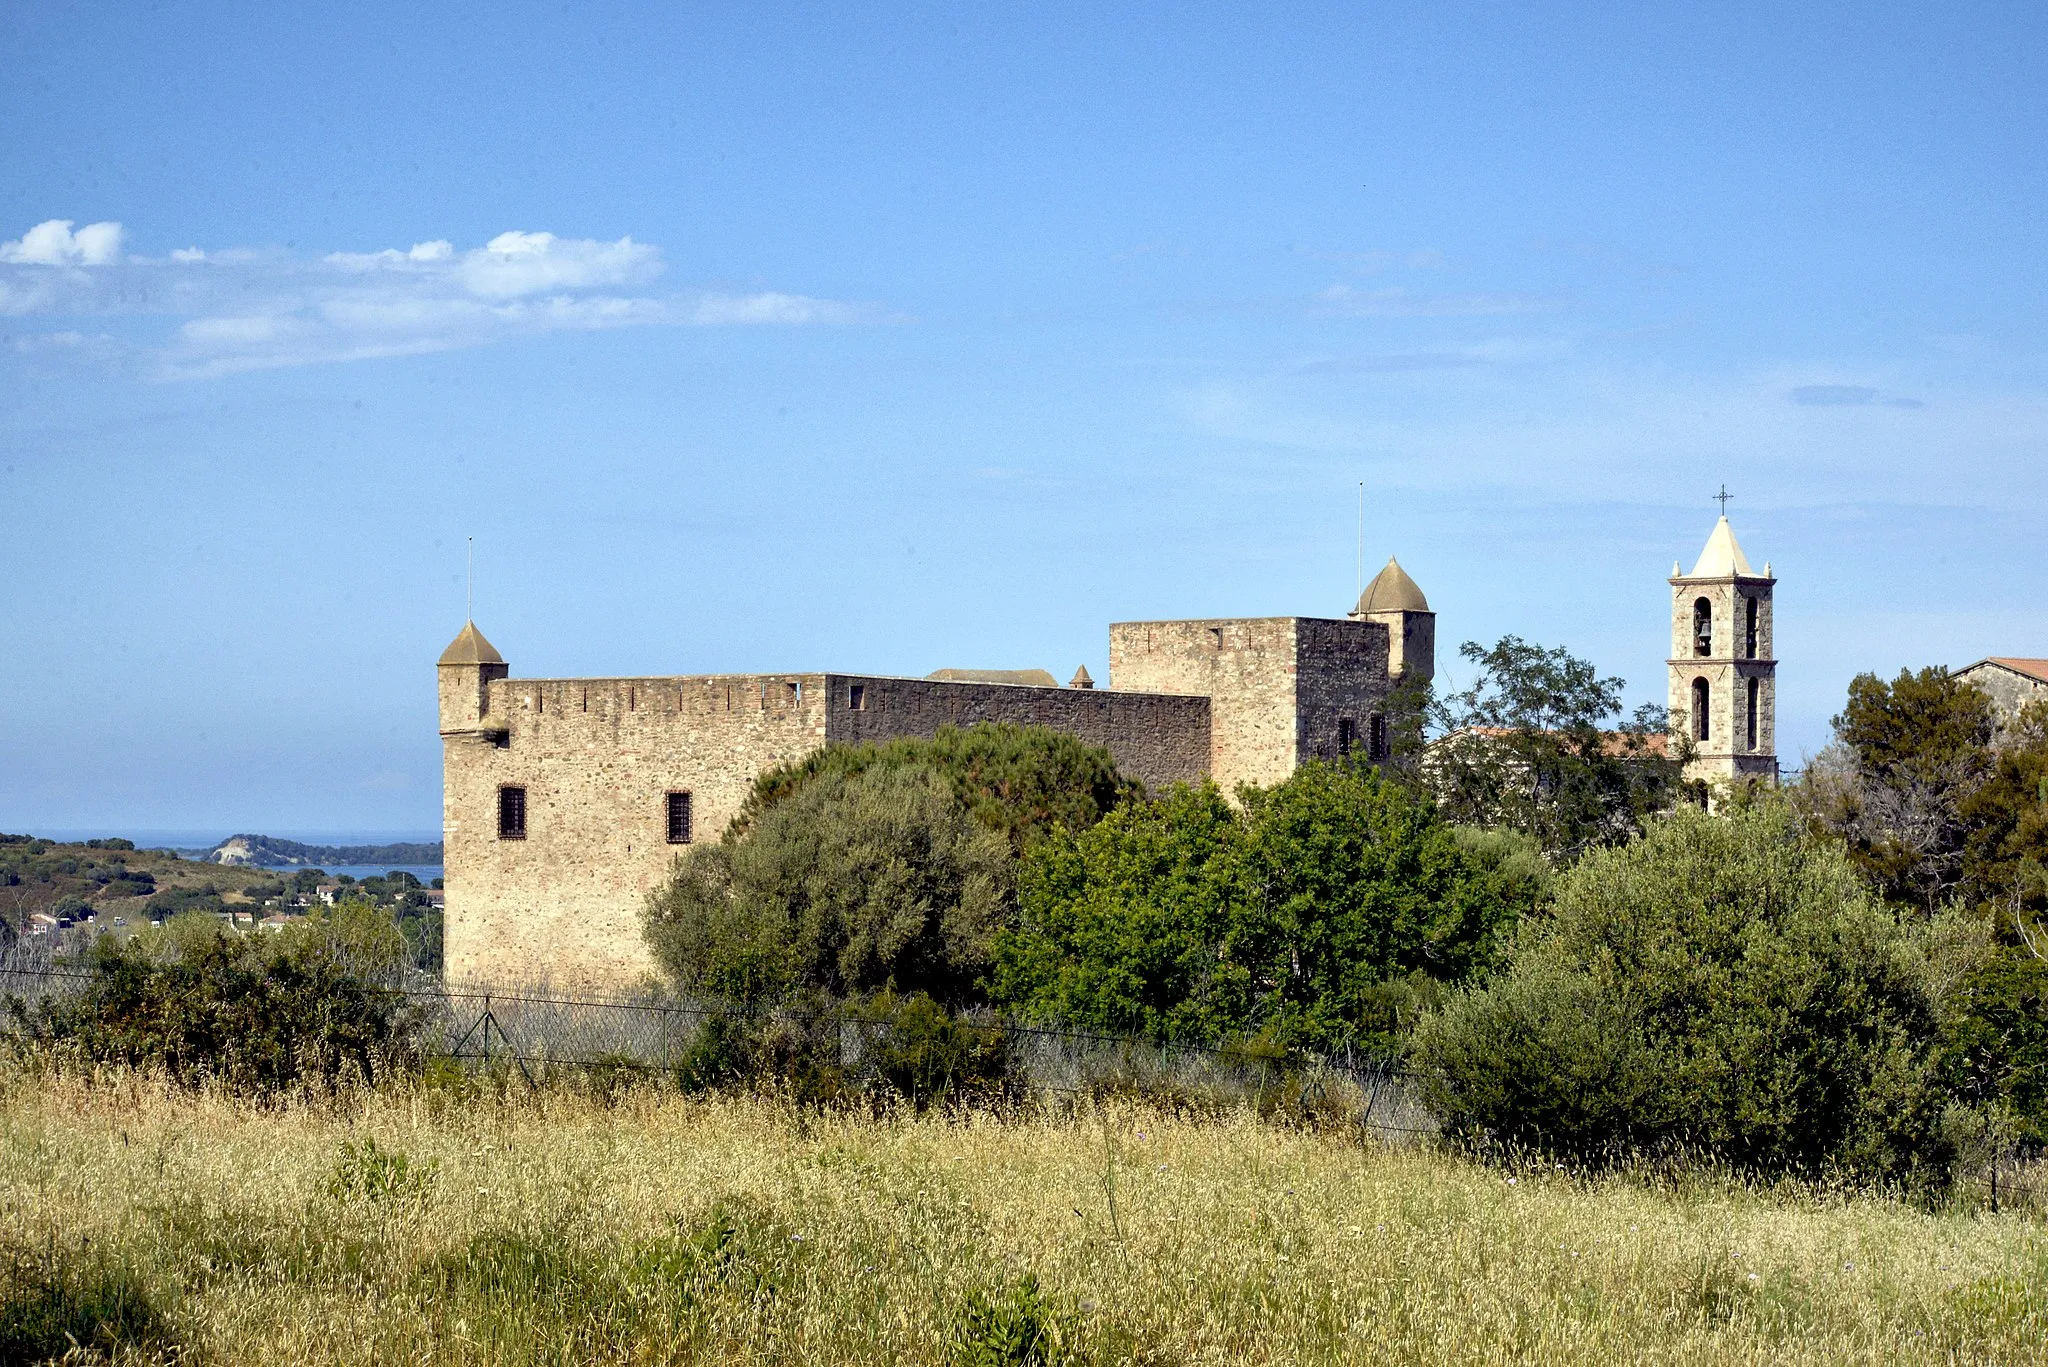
1722	556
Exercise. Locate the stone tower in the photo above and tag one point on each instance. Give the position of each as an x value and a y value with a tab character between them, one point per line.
1724	670
1395	601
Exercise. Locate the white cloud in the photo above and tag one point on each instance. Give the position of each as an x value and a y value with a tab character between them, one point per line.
239	309
52	243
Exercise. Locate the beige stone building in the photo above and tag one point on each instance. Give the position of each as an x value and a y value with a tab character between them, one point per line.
564	800
1724	670
2011	681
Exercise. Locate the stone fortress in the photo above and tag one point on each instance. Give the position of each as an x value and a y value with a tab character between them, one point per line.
565	800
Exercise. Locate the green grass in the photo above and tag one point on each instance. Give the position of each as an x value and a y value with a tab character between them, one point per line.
440	1226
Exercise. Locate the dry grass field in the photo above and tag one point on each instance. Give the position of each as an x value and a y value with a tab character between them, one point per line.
436	1226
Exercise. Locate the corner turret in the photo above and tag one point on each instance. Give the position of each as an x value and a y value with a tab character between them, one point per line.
465	671
1396	602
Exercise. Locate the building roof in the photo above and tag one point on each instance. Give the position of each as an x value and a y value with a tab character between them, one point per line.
1624	743
1722	556
1082	679
470	648
1391	590
1030	678
2033	669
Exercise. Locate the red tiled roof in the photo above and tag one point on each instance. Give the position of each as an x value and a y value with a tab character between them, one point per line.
1613	742
2033	669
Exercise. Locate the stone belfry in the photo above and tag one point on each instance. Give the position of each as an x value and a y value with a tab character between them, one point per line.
1724	670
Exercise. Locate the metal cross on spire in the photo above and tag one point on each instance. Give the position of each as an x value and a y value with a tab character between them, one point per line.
1724	496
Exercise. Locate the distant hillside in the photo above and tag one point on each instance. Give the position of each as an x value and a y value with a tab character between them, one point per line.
274	852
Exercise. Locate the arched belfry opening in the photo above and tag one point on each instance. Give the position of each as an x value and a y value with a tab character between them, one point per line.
1722	673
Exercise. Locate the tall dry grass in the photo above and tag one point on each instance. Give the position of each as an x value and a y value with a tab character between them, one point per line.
438	1226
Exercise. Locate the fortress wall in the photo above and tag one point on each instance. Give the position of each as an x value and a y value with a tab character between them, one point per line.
1341	675
1245	667
1159	740
597	758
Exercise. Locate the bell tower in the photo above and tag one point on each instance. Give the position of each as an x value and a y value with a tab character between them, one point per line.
1724	667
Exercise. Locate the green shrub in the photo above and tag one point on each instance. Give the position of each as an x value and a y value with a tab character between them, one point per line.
1013	1326
366	1172
1019	781
254	1013
1722	986
1320	911
858	883
925	1055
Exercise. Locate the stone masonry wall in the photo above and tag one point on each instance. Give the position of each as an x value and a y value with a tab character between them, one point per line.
1158	740
1340	675
598	757
1245	667
1726	753
2008	689
1278	686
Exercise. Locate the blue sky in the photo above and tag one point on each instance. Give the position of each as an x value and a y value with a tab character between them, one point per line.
887	338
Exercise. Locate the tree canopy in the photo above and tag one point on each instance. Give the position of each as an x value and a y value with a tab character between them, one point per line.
1316	914
1723	986
1538	743
859	881
1017	780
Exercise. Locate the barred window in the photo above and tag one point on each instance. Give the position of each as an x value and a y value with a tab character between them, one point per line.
1346	730
678	818
511	813
1376	738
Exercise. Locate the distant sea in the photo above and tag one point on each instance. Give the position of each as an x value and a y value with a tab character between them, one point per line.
184	841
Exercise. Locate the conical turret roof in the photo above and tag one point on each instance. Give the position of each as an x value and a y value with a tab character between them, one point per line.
470	648
1722	556
1391	590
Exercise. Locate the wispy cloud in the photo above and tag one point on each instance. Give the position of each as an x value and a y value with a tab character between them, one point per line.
1848	396
1351	301
239	309
1390	364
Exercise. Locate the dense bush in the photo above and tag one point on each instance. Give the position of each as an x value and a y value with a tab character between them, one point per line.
1017	780
908	1048
253	1013
1723	986
859	882
1317	913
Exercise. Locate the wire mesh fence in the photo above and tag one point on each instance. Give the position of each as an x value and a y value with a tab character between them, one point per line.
537	1032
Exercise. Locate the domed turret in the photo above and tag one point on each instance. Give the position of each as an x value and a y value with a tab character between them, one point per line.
1391	590
470	648
466	669
1396	602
